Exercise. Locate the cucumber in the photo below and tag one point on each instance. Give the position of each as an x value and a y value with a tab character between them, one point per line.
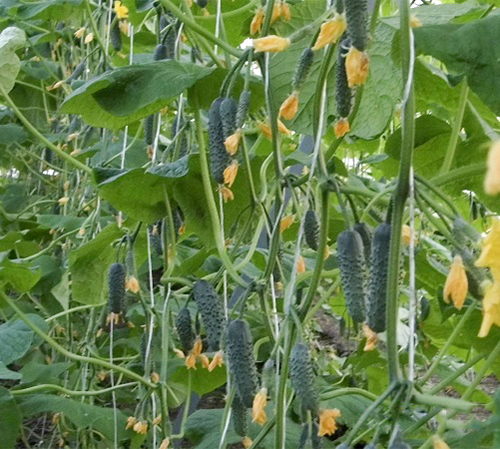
243	106
356	14
366	236
160	52
302	377
343	94
184	329
311	229
115	36
219	157
116	278
239	415
303	68
149	131
228	111
212	315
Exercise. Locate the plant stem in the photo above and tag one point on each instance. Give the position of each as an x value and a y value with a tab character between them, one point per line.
444	402
41	137
465	172
43	387
348	390
402	188
212	208
457	125
69	354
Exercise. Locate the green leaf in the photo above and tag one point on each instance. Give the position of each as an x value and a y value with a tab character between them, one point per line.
66	222
351	406
81	414
89	266
12	133
122	96
467	49
7	374
42	373
11	40
62	292
21	275
48	9
202	381
10	423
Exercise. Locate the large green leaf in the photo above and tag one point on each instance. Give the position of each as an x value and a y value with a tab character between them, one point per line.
467	49
89	265
81	414
10	421
22	276
122	96
11	40
48	9
12	133
7	374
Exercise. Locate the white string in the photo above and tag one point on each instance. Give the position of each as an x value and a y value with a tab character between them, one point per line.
218	22
152	303
112	381
412	286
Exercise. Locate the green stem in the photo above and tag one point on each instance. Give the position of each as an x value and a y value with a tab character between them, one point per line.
457	125
463	320
58	388
346	391
468	171
445	402
67	312
95	29
401	192
41	137
438	192
190	23
69	354
212	208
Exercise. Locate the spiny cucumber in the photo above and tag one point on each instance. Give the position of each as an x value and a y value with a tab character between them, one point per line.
343	94
160	52
356	14
116	278
302	377
240	417
219	157
243	105
303	68
184	329
115	36
211	311
228	110
366	236
311	229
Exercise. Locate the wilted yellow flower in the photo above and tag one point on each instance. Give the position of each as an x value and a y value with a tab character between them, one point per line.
492	178
101	375
439	443
82	231
55	418
89	38
286	222
330	32
356	65
327	252
227	194
182	229
327	424
157	420
230	173
205	361
406	235
63	201
276	11
285	11
341	128
491	308
165	443
271	43
155	377
371	338
415	23
113	317
218	360
283	129
123	25
191	361
197	347
141	427
179	353
301	265
257	21
79	33
290	106
265	129
121	10
456	285
246	442
232	142
131	421
259	407
132	284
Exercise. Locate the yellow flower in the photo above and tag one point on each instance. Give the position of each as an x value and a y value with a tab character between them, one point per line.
165	443
197	347
227	194
79	33
415	21
356	65
276	12
330	32
490	254
230	173
327	424
301	265
290	106
491	308
265	129
89	38
123	25
371	338
132	284
191	361
285	11
246	442
257	21
182	229
492	178
283	129
341	128
141	427
121	10
218	360
259	407
456	284
101	375
131	420
157	420
232	142
286	222
179	353
406	235
155	377
63	201
438	443
205	362
271	43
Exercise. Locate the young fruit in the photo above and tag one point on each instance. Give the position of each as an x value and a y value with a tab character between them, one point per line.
352	266
240	417
211	311
303	68
228	111
202	3
115	36
343	94
219	157
160	52
149	132
243	105
356	14
241	361
311	229
379	264
366	236
116	278
184	329
302	377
